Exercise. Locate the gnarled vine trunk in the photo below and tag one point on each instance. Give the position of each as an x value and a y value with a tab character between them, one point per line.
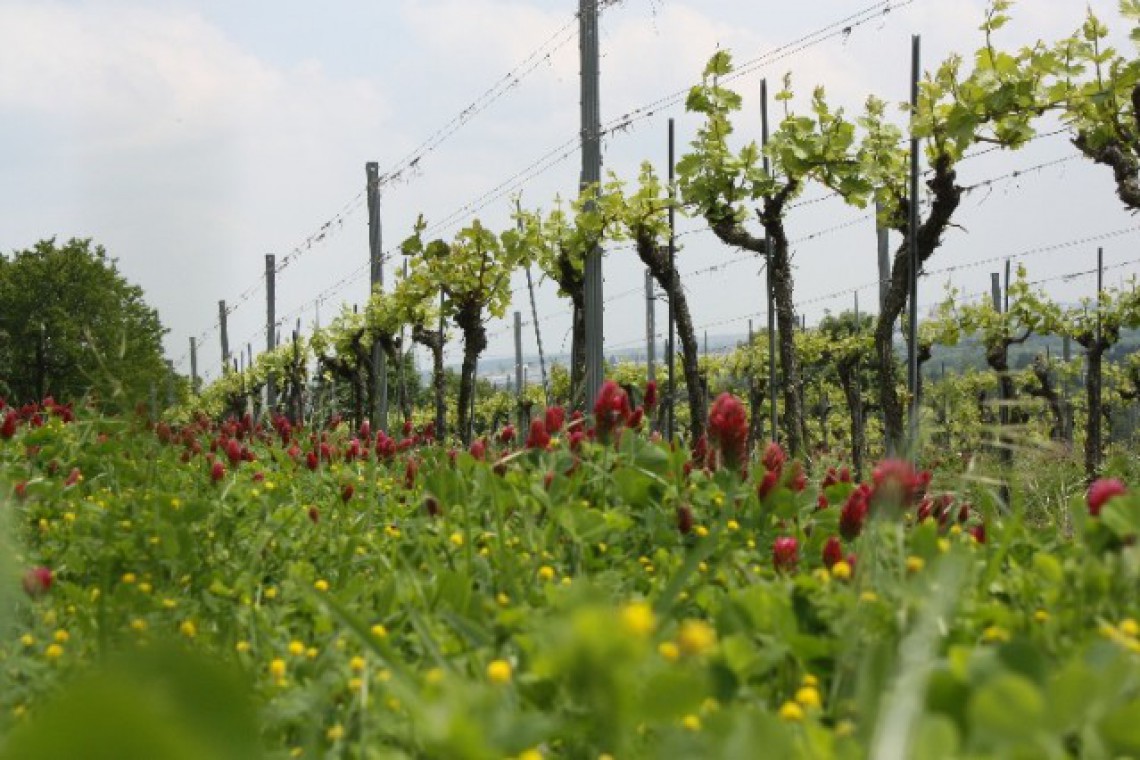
779	261
1046	390
667	277
573	283
947	196
848	370
469	317
1094	444
433	341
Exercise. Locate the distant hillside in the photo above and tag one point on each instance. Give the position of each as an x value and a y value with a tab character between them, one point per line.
968	354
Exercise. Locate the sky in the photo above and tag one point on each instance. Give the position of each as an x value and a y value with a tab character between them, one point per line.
192	138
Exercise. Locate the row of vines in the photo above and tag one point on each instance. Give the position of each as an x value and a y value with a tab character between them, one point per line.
996	99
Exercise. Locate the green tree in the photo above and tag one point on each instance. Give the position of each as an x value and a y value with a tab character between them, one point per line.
997	103
474	273
1098	329
846	340
1097	92
559	242
721	184
71	324
645	220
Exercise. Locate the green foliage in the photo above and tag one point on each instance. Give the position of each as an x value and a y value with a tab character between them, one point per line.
158	702
473	271
720	182
548	605
1092	85
71	325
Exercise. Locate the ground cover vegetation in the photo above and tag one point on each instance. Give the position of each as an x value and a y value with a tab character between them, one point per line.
527	574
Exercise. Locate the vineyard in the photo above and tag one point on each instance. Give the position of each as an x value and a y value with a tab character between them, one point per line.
786	549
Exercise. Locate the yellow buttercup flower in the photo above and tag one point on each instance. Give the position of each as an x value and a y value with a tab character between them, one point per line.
499	672
638	619
695	637
791	712
841	571
995	633
808	697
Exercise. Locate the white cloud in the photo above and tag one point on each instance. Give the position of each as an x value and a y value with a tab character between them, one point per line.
173	145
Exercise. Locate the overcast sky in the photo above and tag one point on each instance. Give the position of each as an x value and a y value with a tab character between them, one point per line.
192	138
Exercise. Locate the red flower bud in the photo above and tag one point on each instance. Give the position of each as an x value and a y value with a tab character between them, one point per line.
538	437
684	519
854	513
555	416
314	515
650	395
217	471
728	427
8	427
479	449
774	458
37	581
785	554
507	435
896	484
768	484
432	507
346	492
1103	491
611	410
832	552
233	452
797	480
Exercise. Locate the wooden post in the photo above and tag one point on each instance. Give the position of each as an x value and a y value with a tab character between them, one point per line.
519	368
224	335
379	410
271	326
193	365
650	329
912	251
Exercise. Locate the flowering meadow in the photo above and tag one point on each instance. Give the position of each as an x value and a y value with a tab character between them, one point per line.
579	589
